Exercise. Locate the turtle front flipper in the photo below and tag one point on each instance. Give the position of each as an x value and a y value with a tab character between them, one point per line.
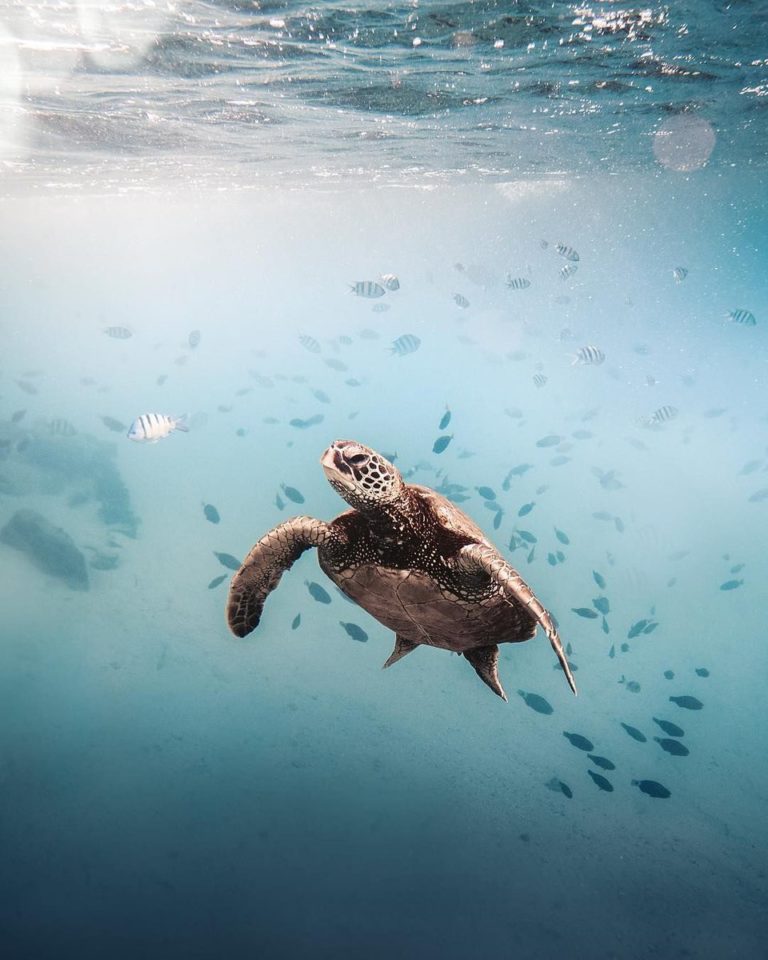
485	660
260	573
476	557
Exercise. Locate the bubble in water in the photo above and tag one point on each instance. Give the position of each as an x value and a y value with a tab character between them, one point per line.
684	143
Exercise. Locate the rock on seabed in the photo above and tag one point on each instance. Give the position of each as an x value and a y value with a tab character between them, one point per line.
50	548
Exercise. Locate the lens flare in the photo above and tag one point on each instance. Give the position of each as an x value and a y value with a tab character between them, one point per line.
119	36
12	115
684	143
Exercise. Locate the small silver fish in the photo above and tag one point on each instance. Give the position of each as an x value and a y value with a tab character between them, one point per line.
588	356
744	317
367	288
679	274
117	426
380	308
460	300
151	427
390	281
309	343
568	271
406	344
539	380
118	333
568	252
61	428
662	415
335	364
517	283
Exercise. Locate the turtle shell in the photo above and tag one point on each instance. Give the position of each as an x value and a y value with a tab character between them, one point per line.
422	599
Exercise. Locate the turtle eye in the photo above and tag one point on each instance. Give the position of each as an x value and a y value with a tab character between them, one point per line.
357	458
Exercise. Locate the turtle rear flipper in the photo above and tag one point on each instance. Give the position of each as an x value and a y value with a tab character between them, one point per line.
402	647
476	556
485	661
260	573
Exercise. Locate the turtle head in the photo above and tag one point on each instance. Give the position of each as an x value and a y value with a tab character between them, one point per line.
361	476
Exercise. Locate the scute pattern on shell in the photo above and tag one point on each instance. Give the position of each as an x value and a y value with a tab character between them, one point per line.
404	573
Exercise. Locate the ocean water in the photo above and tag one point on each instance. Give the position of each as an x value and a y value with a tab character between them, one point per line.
167	790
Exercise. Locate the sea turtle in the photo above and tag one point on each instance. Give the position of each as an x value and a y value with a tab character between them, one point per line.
409	557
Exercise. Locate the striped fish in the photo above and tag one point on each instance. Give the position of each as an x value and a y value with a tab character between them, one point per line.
406	344
745	317
309	343
539	380
380	307
568	271
118	333
61	428
151	427
460	300
390	281
679	274
193	339
366	288
588	356
662	415
568	252
517	283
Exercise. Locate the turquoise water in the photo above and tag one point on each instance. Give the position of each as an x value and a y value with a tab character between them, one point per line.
168	790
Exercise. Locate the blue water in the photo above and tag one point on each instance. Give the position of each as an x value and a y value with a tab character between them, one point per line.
169	791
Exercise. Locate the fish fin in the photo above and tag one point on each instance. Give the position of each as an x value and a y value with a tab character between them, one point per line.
181	423
485	661
402	647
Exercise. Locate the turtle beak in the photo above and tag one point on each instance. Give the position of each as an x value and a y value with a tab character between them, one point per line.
332	461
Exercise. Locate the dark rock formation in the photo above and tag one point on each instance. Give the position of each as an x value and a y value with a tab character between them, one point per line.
50	548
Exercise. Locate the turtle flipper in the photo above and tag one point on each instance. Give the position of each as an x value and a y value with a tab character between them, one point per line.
402	647
478	557
485	661
260	573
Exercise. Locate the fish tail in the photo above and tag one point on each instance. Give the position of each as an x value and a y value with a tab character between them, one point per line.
181	423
